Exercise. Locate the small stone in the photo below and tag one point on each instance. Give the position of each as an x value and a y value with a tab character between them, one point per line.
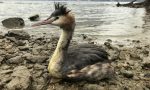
15	60
38	74
146	63
84	36
18	34
5	67
147	75
136	41
148	85
131	62
1	35
124	55
6	71
108	45
21	79
112	87
1	59
120	45
18	42
127	74
13	23
34	17
113	54
24	48
39	67
109	40
93	87
5	80
8	56
36	59
45	75
2	52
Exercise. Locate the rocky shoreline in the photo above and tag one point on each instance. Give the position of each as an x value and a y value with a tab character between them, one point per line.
24	60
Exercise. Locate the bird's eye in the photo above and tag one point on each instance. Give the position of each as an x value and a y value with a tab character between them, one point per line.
56	18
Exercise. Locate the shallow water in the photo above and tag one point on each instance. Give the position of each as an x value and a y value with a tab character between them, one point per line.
99	19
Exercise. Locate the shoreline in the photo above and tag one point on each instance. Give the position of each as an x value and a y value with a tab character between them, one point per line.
24	60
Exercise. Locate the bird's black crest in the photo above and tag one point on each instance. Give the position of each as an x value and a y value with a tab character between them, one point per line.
60	9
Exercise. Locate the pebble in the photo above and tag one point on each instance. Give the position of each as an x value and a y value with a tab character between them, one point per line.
6	71
15	60
39	67
14	22
17	42
5	67
1	59
24	48
34	17
93	87
36	59
147	75
146	63
1	35
18	34
127	74
21	79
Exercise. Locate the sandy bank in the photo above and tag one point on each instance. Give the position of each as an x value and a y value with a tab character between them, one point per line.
24	61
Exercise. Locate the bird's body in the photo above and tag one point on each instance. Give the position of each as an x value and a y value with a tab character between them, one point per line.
83	62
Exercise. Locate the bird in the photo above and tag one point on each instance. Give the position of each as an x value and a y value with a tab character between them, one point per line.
87	62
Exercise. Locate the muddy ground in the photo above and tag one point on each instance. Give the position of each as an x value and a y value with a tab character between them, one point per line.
24	60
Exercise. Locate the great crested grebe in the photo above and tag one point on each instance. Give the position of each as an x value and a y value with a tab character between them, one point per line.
83	62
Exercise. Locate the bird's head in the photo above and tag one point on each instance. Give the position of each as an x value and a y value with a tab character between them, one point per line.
61	17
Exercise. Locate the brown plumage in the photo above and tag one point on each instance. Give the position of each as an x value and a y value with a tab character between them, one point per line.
82	62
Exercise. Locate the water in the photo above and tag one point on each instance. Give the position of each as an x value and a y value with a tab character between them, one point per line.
97	19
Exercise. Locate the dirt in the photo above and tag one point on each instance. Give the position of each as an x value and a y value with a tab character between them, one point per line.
24	66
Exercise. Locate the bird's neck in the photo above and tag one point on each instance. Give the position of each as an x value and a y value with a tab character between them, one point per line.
64	40
59	57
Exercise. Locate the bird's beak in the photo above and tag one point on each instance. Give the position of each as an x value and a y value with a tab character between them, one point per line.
45	22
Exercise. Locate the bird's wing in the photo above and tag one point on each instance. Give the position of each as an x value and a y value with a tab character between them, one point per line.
83	55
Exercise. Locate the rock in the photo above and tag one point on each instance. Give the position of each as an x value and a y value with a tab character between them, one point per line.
147	75
13	23
36	59
39	67
112	87
21	79
1	59
92	87
46	75
136	41
146	63
8	56
124	55
24	48
34	18
148	85
18	42
2	52
113	54
6	71
108	45
127	74
109	40
1	35
18	34
138	87
5	80
38	74
5	67
15	60
84	36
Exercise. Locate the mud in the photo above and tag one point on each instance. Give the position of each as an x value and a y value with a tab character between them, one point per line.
24	66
